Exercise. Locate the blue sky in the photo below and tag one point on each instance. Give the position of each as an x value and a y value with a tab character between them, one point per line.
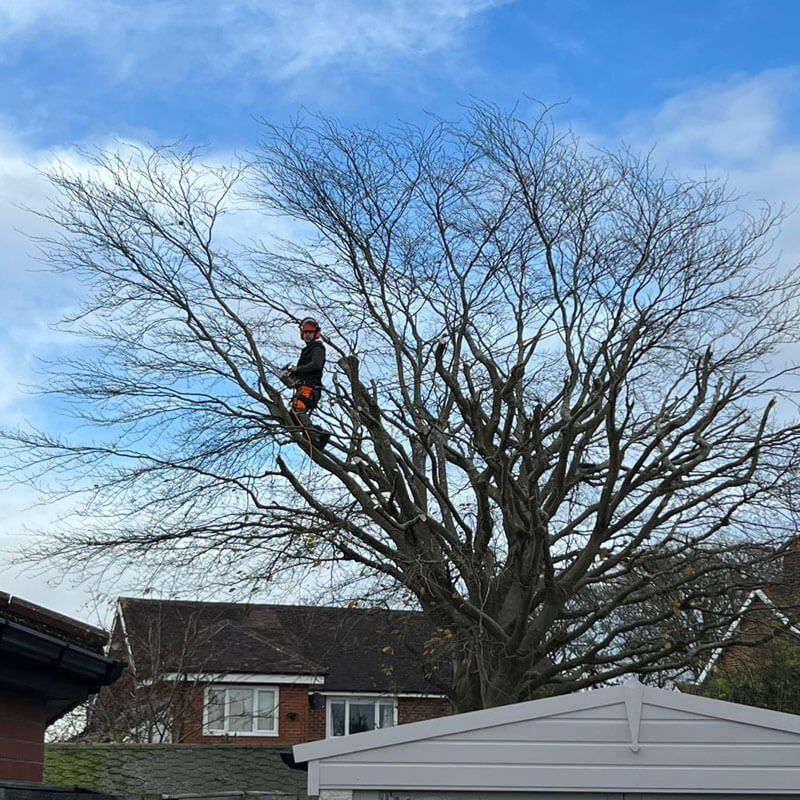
711	85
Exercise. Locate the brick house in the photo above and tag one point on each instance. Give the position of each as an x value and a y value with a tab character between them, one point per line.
768	621
213	673
49	664
762	616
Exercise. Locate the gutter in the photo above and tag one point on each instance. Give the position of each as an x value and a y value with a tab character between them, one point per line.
23	642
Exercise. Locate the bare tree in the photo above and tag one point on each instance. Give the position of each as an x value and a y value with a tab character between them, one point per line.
551	381
160	696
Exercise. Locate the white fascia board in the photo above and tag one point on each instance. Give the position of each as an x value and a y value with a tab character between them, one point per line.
313	779
777	612
125	638
403	695
243	677
715	654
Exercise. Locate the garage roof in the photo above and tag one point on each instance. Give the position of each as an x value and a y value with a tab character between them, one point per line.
620	739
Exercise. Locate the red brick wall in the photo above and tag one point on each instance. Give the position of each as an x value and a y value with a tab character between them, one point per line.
409	709
22	724
416	709
316	724
308	725
293	702
758	623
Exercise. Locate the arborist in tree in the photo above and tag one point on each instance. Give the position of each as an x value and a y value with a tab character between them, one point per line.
306	379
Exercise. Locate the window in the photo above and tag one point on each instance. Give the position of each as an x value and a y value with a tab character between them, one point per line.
241	711
348	715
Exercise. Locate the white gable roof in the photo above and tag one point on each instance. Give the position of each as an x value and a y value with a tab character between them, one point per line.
628	738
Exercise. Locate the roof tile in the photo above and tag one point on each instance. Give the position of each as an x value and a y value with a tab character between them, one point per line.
355	649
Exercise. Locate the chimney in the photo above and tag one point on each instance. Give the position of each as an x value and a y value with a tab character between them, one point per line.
790	574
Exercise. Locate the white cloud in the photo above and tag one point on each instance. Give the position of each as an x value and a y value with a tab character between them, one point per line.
17	17
740	131
29	298
278	41
315	34
735	124
33	297
21	513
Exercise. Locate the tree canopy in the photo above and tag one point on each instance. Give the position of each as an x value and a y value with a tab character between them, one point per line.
560	425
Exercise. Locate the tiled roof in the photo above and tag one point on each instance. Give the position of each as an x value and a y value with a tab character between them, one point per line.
354	649
173	769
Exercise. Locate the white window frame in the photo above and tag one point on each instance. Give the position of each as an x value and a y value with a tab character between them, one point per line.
227	688
377	701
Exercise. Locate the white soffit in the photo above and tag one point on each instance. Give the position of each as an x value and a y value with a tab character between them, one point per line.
243	677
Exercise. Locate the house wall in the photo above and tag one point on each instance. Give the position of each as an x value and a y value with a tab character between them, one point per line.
316	724
416	709
758	623
22	724
409	709
308	723
293	702
187	702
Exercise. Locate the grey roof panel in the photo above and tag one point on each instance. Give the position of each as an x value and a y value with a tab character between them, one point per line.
628	738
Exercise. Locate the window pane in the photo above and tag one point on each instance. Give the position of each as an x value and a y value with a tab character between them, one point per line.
266	711
240	709
337	718
386	715
362	716
215	709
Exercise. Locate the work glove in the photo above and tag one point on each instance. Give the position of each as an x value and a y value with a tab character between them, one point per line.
287	377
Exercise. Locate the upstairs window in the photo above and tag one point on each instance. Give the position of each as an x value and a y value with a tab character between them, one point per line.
348	715
240	711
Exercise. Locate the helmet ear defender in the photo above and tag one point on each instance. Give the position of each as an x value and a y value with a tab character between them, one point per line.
309	324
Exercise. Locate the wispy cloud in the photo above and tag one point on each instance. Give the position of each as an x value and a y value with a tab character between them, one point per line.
316	34
740	131
737	123
29	298
279	41
17	18
34	296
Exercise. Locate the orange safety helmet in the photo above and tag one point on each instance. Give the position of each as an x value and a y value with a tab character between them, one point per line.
309	324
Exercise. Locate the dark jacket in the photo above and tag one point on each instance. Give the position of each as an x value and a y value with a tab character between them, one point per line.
310	364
